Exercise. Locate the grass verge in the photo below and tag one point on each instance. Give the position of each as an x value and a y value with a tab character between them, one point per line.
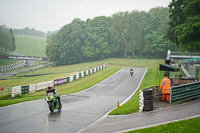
73	87
30	45
150	79
185	126
64	71
6	62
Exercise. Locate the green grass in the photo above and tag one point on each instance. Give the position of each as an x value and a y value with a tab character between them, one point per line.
184	126
6	62
30	46
53	73
27	45
150	79
64	71
69	88
135	62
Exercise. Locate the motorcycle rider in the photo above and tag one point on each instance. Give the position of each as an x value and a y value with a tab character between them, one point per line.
51	89
131	71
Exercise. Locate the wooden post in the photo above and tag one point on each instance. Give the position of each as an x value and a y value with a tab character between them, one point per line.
117	104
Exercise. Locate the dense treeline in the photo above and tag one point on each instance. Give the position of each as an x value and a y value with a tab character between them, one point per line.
135	33
7	40
184	24
28	31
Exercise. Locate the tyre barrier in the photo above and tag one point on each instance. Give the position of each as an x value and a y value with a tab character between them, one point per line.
146	100
13	64
10	69
141	101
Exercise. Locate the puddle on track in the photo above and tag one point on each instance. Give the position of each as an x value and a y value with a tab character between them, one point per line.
73	98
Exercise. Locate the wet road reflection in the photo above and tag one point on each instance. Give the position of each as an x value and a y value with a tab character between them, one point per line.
52	118
79	110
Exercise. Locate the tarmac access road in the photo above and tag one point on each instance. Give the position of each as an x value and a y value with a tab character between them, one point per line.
79	109
125	123
21	65
12	73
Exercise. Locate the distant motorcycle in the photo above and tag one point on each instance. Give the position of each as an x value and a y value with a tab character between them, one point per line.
131	72
53	102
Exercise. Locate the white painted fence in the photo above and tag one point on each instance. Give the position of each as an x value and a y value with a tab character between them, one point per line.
43	85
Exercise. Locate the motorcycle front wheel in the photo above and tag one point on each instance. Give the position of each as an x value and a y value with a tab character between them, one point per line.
60	107
51	106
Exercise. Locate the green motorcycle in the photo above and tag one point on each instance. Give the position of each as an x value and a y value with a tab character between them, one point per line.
53	102
131	72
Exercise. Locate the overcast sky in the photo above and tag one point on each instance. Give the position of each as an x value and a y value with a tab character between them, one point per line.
50	15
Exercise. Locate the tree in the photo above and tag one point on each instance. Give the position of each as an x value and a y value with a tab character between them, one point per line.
5	40
136	30
12	37
97	43
156	25
135	33
127	31
51	48
184	24
118	32
69	41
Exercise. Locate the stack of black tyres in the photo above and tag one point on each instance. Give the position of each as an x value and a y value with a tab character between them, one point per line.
148	100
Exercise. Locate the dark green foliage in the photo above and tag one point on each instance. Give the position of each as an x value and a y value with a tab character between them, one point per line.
184	25
65	46
51	48
7	40
12	36
156	26
97	41
124	34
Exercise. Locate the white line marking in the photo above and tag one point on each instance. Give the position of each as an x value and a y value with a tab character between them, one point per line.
16	104
148	126
116	107
96	84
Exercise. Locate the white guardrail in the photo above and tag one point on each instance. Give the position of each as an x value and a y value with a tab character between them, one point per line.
31	88
185	71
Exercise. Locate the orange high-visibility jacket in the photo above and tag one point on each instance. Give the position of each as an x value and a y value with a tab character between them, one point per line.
165	85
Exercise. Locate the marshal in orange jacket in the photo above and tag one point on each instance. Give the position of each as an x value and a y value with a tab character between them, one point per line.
165	85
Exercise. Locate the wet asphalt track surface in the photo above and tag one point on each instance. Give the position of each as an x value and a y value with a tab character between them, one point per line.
125	123
79	110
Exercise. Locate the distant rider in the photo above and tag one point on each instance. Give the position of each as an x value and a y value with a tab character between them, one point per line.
51	89
131	72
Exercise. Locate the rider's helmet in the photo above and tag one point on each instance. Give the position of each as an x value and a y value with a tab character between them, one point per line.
49	88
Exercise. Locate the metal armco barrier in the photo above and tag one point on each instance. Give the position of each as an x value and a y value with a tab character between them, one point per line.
185	92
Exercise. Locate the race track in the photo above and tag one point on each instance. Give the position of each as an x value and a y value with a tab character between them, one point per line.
126	123
79	110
